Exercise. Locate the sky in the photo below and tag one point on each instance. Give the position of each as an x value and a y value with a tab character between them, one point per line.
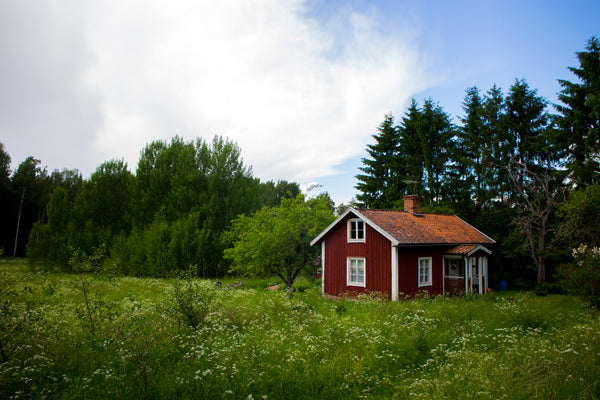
301	85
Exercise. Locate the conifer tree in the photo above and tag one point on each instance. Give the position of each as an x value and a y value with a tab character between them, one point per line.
580	117
409	163
436	134
527	123
378	183
495	129
475	146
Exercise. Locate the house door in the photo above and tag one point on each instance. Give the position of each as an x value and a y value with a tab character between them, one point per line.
454	279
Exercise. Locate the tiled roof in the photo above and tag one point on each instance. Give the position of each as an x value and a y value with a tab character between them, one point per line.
408	228
461	249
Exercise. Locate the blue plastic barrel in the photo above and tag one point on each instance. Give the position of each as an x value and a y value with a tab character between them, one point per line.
503	286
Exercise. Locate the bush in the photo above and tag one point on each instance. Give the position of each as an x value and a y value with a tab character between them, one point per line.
302	286
191	302
582	277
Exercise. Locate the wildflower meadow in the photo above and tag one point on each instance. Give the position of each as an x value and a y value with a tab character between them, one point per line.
67	336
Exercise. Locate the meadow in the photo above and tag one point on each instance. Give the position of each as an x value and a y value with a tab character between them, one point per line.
70	336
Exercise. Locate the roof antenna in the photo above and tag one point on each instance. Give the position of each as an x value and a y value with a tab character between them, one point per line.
414	183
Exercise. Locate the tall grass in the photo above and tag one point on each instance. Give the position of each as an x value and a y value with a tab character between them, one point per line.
251	343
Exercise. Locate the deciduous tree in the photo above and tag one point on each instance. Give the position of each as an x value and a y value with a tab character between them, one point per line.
276	240
580	217
538	191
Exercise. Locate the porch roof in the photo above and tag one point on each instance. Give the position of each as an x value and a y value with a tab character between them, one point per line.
467	250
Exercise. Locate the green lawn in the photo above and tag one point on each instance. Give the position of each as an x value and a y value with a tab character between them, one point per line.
131	340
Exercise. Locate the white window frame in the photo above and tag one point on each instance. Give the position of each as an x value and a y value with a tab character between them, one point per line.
427	282
349	230
349	275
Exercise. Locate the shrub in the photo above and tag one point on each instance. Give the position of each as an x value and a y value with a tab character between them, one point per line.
302	286
191	302
582	277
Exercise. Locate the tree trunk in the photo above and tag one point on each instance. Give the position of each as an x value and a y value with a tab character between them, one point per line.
541	259
18	223
541	276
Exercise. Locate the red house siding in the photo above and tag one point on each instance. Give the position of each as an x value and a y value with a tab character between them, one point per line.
377	253
408	270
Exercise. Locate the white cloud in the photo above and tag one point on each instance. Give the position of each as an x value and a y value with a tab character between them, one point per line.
87	82
298	96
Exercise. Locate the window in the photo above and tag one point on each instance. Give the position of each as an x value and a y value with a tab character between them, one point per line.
356	230
453	268
425	271
355	274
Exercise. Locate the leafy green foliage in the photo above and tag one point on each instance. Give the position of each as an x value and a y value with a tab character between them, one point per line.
89	268
582	276
7	200
276	240
579	216
191	301
171	214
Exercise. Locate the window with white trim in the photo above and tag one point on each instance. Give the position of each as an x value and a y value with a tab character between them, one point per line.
355	274
424	271
356	230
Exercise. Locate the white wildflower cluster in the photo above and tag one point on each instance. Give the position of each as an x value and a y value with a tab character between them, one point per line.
252	341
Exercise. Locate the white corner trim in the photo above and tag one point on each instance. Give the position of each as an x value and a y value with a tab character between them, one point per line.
323	268
394	272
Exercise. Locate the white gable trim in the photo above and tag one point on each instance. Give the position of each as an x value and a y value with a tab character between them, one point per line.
377	228
334	223
477	248
359	216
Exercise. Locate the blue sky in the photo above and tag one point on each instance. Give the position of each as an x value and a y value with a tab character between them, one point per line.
300	85
482	43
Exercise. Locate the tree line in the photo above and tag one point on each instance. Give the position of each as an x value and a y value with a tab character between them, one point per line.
525	176
170	214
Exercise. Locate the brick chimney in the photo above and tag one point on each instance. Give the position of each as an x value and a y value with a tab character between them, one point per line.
412	203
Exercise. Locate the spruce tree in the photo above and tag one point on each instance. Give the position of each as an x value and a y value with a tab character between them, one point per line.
378	184
436	134
474	155
579	121
409	163
501	147
527	123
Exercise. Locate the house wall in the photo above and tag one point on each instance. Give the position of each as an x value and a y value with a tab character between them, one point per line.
408	270
377	253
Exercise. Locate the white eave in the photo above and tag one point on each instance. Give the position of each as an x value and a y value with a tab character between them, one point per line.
361	217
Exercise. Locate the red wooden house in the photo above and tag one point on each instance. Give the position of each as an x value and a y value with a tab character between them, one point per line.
402	253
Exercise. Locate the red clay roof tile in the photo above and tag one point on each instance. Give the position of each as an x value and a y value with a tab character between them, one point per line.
408	228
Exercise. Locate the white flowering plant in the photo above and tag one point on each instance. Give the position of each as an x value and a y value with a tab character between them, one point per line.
582	276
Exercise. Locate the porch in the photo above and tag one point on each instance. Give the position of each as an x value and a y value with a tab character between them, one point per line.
465	269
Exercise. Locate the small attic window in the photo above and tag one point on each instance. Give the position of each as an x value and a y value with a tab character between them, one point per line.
356	230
